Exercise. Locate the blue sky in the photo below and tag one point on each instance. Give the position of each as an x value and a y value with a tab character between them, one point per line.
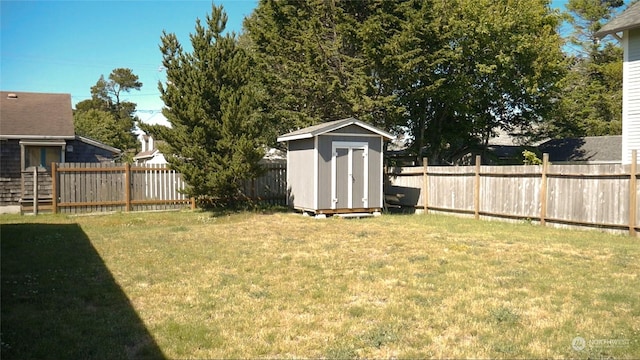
64	46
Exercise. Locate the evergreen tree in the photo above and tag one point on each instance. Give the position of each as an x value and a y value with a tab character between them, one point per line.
591	100
215	135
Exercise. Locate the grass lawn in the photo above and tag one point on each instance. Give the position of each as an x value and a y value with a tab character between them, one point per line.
252	285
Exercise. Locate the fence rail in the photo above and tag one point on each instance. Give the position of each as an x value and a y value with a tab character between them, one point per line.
603	196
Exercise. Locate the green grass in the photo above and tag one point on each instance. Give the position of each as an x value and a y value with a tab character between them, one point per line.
259	285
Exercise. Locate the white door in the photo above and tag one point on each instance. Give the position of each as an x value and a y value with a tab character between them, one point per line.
349	175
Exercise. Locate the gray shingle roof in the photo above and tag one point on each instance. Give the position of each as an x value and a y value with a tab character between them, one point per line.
326	127
628	19
36	115
590	148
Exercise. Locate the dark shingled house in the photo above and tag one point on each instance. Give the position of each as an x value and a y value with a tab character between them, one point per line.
36	129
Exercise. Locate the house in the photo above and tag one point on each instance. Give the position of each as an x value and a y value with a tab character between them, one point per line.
626	28
336	167
584	150
36	129
149	153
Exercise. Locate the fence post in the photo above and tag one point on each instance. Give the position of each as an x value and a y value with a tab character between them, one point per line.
633	197
193	203
54	188
35	190
425	184
127	189
543	189
476	190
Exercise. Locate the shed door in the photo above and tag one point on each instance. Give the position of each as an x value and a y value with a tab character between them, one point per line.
349	175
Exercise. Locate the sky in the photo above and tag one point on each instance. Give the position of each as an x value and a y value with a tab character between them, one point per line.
60	46
64	46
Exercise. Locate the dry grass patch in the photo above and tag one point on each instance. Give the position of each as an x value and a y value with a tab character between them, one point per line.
282	285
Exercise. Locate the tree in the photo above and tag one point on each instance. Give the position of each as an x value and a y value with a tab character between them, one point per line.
448	73
591	100
469	67
312	63
215	138
105	117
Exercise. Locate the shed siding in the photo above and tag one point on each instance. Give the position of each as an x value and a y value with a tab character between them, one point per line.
300	173
351	129
631	95
324	168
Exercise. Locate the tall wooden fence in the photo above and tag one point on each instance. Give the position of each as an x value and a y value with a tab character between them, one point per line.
604	196
91	187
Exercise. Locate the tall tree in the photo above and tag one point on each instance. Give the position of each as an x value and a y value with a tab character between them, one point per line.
448	73
470	67
215	137
591	101
105	117
312	62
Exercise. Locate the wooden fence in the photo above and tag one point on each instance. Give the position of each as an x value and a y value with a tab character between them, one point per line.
603	196
91	187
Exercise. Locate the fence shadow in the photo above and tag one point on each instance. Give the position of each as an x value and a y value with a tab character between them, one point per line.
60	301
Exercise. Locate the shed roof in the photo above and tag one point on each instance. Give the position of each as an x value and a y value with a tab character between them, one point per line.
628	19
590	148
27	115
330	126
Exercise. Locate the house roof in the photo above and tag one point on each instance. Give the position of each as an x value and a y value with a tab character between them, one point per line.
590	148
26	115
330	126
628	19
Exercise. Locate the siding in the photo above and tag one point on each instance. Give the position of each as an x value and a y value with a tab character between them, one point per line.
300	173
86	153
10	186
631	95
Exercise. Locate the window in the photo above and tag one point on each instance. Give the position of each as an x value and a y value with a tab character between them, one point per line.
41	153
41	156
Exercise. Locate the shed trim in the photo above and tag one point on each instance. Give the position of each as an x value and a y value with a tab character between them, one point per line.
329	127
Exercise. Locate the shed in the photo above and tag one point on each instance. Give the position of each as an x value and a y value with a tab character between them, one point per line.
336	167
626	28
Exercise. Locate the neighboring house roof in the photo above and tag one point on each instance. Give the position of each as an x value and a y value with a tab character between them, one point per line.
146	154
628	19
26	115
97	143
590	148
327	127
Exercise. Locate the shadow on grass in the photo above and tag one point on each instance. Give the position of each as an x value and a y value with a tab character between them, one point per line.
60	301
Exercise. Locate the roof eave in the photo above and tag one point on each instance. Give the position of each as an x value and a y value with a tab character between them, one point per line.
36	137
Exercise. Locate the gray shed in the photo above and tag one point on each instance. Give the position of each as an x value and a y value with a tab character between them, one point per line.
336	167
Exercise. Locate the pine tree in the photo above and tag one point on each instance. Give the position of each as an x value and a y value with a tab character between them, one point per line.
215	137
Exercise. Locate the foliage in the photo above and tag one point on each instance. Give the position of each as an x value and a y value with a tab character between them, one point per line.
105	117
313	64
215	138
441	71
591	98
530	158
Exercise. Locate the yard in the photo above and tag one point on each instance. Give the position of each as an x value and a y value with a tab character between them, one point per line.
280	285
